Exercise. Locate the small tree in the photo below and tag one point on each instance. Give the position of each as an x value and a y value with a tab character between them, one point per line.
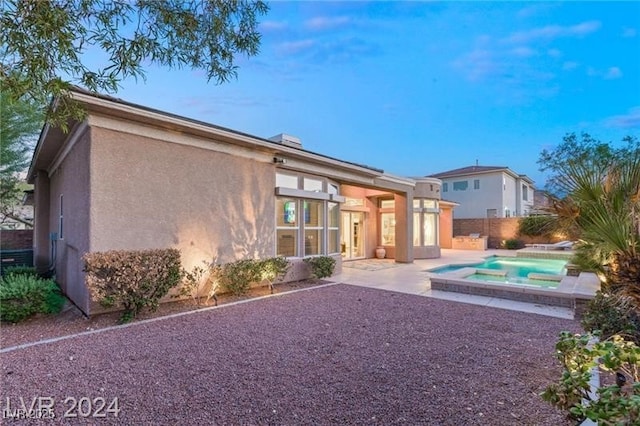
535	226
20	122
42	43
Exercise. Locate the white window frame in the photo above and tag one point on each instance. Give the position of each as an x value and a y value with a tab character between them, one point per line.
423	211
328	194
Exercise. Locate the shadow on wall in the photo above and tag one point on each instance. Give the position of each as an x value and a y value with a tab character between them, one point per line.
236	222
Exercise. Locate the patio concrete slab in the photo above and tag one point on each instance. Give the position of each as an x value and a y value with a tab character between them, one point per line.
412	278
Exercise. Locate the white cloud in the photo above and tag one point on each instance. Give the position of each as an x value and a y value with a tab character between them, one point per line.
554	53
478	64
613	73
523	52
570	65
629	120
629	32
327	22
529	11
295	47
273	26
610	74
552	32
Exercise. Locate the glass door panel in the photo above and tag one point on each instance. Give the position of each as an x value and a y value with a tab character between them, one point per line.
352	235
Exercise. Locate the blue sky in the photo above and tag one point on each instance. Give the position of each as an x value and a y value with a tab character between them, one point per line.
417	88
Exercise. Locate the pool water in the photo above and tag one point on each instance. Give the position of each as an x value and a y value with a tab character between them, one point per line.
518	268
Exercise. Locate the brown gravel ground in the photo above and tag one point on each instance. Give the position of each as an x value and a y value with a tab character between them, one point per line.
336	354
72	321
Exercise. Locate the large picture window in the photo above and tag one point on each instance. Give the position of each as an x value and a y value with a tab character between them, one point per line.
308	225
388	234
425	222
460	185
333	227
287	227
313	227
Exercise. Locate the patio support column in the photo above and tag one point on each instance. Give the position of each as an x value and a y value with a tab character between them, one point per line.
41	250
404	227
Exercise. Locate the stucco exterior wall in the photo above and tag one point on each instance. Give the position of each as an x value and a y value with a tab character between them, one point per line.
427	188
69	185
149	193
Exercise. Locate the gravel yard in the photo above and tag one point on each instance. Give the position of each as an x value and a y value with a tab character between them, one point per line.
330	355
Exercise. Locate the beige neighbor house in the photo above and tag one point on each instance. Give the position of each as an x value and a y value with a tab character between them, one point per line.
487	192
131	177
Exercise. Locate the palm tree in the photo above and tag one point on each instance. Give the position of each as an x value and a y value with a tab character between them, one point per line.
603	204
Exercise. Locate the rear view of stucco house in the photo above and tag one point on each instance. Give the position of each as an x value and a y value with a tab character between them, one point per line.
130	177
487	192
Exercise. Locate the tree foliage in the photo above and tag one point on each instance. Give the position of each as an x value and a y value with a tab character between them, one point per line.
20	122
582	152
602	187
43	43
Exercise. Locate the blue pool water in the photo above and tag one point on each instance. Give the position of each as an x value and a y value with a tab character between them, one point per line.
515	266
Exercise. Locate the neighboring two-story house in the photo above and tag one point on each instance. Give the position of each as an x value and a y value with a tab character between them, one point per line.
487	191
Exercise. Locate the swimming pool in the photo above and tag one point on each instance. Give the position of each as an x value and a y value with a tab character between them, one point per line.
523	279
515	266
514	270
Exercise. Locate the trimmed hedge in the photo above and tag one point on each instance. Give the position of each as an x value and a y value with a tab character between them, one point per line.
133	280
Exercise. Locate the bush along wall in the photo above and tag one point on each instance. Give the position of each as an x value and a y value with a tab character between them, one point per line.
133	280
321	266
237	277
23	294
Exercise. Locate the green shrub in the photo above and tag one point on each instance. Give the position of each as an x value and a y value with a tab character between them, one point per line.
190	283
22	295
273	269
321	266
615	404
612	314
133	280
20	270
513	244
236	277
535	226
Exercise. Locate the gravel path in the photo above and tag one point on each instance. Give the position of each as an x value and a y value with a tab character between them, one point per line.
330	355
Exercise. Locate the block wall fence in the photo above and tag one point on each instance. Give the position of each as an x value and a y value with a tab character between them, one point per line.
496	229
16	239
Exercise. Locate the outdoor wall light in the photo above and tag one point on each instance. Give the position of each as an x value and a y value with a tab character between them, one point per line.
279	160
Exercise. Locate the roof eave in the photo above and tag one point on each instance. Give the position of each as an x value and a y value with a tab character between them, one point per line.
129	111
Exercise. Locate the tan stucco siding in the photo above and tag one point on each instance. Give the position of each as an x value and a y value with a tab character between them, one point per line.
149	193
71	180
